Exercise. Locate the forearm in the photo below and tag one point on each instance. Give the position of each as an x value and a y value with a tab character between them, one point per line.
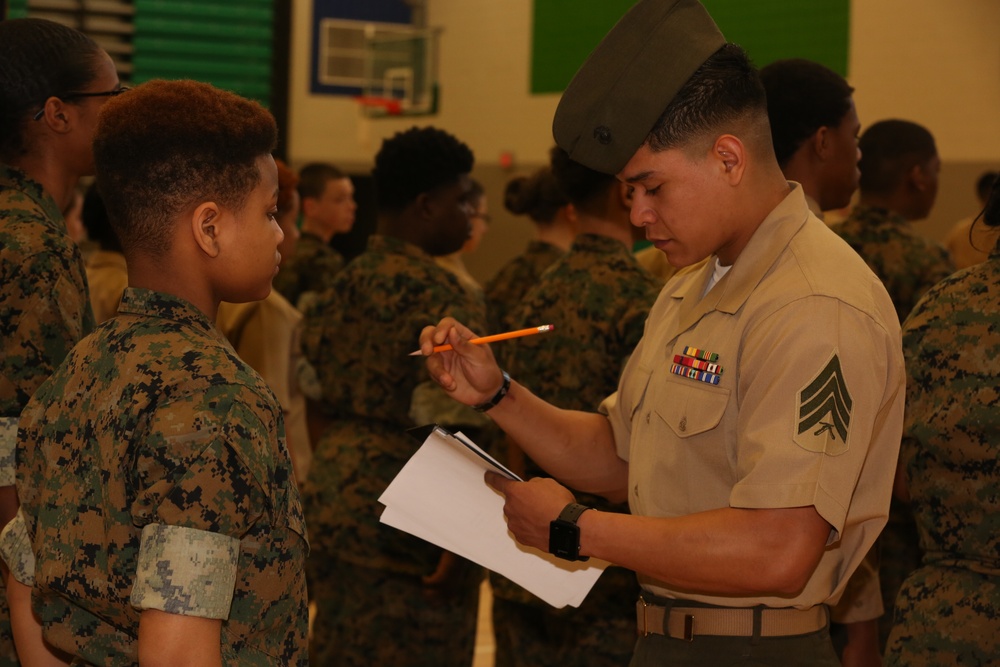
728	551
577	448
174	640
27	629
8	504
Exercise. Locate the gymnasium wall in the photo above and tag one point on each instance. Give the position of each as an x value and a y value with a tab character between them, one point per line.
932	62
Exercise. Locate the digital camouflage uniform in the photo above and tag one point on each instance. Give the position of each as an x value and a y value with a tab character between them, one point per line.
309	271
365	578
44	311
908	265
948	610
153	474
597	296
507	288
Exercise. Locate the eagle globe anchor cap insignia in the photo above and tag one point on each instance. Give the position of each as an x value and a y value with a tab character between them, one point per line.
824	411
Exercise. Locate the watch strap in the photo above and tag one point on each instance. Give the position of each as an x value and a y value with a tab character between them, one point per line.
497	397
572	512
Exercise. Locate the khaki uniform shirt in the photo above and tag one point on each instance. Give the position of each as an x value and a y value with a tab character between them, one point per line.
862	598
808	405
267	334
107	275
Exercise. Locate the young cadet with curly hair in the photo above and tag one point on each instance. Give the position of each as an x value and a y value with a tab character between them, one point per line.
384	597
53	81
158	502
756	425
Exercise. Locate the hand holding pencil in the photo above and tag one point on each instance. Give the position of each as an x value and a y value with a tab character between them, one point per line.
545	328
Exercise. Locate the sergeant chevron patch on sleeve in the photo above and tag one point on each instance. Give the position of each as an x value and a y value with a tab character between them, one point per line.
824	411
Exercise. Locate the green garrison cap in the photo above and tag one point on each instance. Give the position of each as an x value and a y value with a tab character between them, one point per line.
624	86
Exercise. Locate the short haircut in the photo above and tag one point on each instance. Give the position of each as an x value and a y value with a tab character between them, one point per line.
584	187
725	90
167	146
417	161
314	176
802	97
889	149
94	216
985	183
538	196
991	213
287	181
41	59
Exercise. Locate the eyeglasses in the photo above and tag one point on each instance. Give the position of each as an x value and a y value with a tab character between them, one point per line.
72	96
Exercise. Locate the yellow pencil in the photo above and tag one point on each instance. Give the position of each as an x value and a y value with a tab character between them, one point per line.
494	338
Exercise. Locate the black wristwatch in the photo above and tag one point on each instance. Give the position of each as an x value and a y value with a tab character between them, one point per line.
564	534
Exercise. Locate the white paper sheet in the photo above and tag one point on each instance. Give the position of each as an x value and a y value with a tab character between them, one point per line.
440	496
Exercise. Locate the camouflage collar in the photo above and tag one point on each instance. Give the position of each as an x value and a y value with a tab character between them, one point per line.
597	243
396	246
876	215
147	303
14	179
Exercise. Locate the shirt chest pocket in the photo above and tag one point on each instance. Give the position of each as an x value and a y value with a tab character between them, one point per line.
689	409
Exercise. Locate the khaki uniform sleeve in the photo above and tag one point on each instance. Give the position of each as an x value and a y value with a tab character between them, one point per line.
817	387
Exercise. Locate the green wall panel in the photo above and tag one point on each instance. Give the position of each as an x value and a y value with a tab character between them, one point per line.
227	43
17	9
566	31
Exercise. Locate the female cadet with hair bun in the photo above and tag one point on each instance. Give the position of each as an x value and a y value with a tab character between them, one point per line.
947	610
538	196
52	83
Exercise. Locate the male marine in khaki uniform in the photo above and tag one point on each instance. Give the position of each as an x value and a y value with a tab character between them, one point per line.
756	425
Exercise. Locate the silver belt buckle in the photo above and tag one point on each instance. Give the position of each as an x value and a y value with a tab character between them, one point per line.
644	630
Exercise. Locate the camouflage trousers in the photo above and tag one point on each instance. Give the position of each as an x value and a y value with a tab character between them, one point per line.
946	616
600	633
899	555
367	617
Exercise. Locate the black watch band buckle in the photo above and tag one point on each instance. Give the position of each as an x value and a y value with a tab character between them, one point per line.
564	534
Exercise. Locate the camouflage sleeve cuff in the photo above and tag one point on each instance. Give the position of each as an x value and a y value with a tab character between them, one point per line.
15	549
185	571
8	445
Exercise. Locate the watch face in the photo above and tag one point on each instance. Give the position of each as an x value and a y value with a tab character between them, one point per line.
564	539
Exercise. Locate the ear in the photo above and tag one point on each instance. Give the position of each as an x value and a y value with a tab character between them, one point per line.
821	142
424	205
59	116
205	228
731	156
308	207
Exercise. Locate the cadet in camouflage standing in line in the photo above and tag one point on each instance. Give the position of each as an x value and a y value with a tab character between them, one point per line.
948	610
384	597
160	522
597	296
326	196
52	82
539	197
899	181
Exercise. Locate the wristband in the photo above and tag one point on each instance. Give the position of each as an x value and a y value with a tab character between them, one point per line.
497	397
